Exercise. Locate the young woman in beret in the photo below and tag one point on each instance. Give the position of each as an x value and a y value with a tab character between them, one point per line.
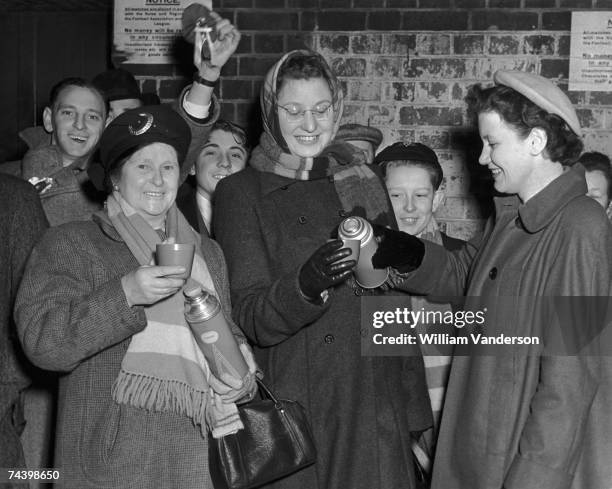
517	418
136	395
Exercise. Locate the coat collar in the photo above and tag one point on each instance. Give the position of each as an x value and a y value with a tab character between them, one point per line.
542	208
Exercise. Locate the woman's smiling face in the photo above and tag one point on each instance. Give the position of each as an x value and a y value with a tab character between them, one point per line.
307	133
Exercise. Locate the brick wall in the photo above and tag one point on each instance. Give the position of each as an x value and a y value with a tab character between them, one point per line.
406	65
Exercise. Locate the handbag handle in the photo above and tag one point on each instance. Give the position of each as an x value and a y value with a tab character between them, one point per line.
264	388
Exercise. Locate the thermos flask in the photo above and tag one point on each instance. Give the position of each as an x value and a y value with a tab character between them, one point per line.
366	275
213	334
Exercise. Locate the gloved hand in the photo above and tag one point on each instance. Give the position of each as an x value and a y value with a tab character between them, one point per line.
397	249
324	269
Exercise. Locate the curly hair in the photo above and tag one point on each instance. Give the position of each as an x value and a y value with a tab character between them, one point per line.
562	146
302	66
596	161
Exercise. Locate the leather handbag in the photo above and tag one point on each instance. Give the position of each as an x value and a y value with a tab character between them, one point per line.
276	441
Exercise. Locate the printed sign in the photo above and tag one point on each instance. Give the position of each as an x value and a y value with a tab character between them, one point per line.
591	51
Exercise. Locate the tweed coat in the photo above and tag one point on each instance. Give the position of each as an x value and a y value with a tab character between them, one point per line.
73	317
362	409
22	222
519	421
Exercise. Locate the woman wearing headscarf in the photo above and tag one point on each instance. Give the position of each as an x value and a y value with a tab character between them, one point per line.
519	418
291	286
136	394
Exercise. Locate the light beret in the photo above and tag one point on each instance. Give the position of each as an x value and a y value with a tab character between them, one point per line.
542	92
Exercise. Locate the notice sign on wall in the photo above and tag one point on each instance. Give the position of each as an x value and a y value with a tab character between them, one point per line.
591	51
145	30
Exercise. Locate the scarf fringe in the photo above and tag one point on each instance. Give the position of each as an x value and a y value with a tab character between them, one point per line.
162	395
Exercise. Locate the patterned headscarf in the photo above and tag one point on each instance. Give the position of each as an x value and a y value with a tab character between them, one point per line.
270	89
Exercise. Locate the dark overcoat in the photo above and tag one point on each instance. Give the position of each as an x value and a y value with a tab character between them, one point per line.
362	409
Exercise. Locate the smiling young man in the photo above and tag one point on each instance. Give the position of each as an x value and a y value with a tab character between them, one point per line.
75	118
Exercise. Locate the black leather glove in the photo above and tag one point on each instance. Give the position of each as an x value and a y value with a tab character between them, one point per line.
322	269
397	249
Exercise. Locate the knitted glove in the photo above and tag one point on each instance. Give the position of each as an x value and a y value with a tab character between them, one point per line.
397	249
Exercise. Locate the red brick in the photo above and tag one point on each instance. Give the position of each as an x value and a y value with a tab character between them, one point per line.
540	3
269	43
230	68
434	68
541	45
575	4
458	91
504	20
380	115
557	21
149	86
483	68
299	41
470	3
349	67
435	139
432	44
171	89
272	21
401	3
236	89
333	44
590	118
302	3
308	21
354	112
576	97
342	20
503	45
401	44
252	65
402	91
554	68
504	3
269	3
434	21
384	21
245	45
367	43
236	3
603	4
368	91
468	44
434	92
386	67
601	98
430	116
228	111
434	4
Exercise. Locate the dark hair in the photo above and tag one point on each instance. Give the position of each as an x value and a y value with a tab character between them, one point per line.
563	145
302	66
235	130
595	161
433	168
75	82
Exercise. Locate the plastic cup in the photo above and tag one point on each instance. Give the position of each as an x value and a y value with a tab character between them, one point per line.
179	254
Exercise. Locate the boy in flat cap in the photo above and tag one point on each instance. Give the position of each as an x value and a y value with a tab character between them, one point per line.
120	89
366	138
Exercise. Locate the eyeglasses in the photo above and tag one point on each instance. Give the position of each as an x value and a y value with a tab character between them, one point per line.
295	113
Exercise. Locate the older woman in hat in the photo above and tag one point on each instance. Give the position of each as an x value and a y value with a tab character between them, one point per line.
136	397
518	418
291	289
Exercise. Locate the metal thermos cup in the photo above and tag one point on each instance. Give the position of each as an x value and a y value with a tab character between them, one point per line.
213	334
366	275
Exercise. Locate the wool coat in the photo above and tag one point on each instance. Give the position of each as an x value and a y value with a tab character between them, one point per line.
520	421
22	222
362	409
73	317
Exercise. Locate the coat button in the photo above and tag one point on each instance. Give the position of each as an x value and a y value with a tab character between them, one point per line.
302	219
284	187
329	338
493	273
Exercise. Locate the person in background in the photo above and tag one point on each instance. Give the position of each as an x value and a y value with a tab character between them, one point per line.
518	418
120	89
598	176
366	138
413	177
22	222
75	117
136	398
225	152
292	289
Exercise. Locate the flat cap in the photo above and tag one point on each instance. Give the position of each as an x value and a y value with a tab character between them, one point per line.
357	132
135	129
117	84
407	152
542	92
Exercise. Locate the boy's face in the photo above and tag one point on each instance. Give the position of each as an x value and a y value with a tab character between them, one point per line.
598	187
76	121
413	197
